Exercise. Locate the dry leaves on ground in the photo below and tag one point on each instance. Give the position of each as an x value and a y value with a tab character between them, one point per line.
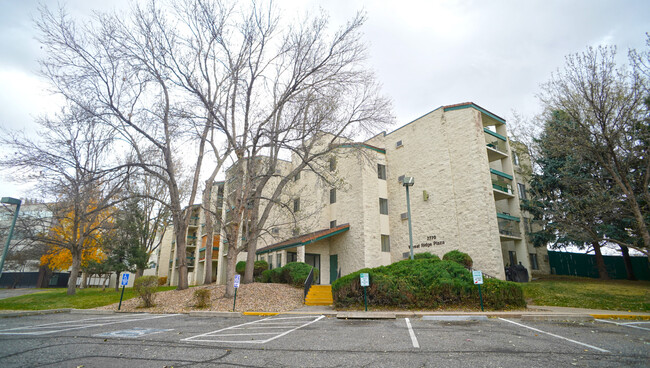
255	297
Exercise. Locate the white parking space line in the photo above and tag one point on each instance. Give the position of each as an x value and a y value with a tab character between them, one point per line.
627	324
554	335
414	339
223	335
49	328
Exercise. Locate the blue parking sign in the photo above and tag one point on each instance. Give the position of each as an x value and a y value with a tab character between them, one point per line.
125	279
237	278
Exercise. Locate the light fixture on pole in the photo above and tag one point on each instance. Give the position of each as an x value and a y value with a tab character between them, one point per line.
11	201
408	181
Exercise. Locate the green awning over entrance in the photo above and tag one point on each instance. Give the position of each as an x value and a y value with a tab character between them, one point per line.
304	239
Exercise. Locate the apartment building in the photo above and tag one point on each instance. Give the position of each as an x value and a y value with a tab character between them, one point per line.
197	243
352	214
466	196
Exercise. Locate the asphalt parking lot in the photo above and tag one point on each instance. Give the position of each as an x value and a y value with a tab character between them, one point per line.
146	340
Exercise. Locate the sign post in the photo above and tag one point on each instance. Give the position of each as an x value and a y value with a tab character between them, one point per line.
125	281
478	280
234	302
365	282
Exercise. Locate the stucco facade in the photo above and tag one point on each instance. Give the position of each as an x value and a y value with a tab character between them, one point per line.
351	213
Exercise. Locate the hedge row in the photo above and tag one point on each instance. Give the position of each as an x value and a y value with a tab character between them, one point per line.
258	268
427	282
293	273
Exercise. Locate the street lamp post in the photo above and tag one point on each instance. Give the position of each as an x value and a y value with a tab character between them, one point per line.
14	201
408	182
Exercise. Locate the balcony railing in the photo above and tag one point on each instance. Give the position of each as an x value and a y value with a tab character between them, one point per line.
495	141
501	182
508	225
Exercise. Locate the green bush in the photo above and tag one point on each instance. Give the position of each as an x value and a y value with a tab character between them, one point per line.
293	273
425	255
425	283
458	257
202	297
145	287
258	268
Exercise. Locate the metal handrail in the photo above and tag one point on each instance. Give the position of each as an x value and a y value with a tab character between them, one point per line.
309	282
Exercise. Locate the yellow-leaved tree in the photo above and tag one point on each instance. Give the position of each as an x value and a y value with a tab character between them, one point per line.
76	238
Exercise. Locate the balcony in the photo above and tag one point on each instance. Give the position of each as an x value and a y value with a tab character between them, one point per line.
501	184
508	227
496	144
194	221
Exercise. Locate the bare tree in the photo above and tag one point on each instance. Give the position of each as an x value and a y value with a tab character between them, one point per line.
70	161
273	91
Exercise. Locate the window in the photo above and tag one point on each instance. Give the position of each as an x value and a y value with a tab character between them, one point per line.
521	188
398	144
332	163
332	224
270	262
296	205
381	171
297	176
385	243
292	257
515	158
279	262
533	261
333	195
383	206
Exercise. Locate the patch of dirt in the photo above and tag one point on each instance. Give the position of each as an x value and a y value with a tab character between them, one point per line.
255	297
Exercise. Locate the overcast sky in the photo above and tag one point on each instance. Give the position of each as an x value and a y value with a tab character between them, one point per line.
425	53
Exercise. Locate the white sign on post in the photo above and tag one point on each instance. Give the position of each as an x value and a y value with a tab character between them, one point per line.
365	279
237	277
478	277
125	279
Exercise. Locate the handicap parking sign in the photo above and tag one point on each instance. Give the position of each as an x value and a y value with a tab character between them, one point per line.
125	279
237	278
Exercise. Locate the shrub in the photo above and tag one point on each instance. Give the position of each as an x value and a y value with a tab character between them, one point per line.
425	255
458	257
202	297
162	281
240	268
425	283
258	268
146	287
294	273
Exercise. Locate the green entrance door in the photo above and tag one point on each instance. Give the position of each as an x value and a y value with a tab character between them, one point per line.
334	267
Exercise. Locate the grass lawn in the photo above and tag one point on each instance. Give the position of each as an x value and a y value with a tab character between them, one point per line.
583	292
57	298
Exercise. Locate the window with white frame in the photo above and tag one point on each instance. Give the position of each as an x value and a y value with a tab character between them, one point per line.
332	195
521	188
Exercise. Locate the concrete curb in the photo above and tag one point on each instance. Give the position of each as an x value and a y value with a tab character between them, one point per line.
621	316
557	317
35	313
92	311
365	315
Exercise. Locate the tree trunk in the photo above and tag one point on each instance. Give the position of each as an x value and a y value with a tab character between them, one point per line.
249	276
84	280
117	280
231	259
138	273
74	272
600	262
209	227
628	263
